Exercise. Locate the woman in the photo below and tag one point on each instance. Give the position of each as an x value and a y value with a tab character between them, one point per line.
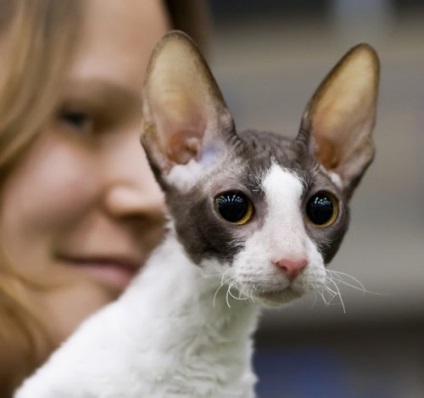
79	209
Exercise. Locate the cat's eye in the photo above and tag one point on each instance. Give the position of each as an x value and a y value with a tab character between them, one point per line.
234	207
322	209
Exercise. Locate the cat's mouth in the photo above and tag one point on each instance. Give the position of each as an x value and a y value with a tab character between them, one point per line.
275	298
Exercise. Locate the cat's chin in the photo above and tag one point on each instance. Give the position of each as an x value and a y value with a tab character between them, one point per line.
277	298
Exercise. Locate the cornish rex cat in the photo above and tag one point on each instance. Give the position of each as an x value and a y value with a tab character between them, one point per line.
254	219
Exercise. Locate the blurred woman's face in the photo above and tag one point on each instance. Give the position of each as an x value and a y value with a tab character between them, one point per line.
83	208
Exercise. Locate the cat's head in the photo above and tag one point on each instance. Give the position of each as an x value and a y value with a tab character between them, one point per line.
266	212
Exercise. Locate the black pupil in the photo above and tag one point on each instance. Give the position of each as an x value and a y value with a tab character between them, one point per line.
320	209
232	206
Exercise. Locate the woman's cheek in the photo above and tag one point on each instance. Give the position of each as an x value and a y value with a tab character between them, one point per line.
66	307
56	185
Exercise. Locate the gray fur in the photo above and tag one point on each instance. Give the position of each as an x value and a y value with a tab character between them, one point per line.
204	236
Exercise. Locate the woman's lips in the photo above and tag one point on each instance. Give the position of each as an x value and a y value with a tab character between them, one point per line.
115	273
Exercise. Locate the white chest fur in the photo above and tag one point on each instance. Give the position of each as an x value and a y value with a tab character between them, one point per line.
167	336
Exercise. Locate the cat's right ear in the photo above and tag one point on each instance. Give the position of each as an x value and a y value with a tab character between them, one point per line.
185	118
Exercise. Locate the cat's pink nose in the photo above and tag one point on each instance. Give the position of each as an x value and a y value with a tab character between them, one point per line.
292	267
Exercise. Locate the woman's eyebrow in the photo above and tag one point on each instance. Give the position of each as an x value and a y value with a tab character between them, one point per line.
102	92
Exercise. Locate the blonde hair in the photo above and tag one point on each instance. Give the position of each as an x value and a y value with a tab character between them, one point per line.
42	34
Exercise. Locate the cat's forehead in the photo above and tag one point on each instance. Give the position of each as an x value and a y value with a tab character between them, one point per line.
256	155
261	150
248	166
245	166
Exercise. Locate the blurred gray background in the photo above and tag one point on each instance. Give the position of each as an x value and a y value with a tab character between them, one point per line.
269	56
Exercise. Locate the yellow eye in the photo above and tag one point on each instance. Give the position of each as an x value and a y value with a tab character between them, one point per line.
234	207
322	209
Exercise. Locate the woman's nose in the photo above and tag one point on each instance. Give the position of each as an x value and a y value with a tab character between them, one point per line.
124	201
132	189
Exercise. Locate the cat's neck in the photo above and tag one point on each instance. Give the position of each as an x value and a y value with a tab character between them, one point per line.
189	317
178	288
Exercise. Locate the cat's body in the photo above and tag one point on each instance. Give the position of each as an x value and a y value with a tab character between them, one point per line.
162	338
254	219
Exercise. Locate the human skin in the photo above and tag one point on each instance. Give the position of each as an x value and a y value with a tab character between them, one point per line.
82	211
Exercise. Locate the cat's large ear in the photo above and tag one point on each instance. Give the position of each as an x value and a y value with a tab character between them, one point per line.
185	119
340	117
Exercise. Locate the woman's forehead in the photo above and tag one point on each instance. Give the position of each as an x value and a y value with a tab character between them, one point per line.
117	39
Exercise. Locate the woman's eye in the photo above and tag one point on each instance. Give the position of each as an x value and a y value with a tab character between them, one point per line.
322	209
78	120
234	207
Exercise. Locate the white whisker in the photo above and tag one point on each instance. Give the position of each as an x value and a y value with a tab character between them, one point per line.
232	284
241	295
332	295
324	299
226	296
220	286
216	293
251	296
340	275
338	294
356	284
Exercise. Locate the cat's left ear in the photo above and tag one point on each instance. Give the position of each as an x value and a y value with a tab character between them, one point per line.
185	118
339	119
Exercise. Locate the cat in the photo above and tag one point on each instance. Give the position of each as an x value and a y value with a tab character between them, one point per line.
254	218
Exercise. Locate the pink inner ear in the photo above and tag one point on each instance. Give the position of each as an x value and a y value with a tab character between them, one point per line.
182	146
326	154
181	137
341	113
182	103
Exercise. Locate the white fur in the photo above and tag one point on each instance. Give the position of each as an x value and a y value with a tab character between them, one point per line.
334	177
186	176
162	338
178	330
